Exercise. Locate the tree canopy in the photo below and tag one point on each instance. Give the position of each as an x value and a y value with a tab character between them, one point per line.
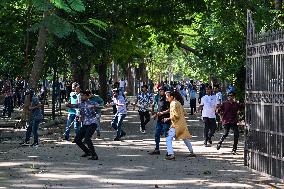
201	39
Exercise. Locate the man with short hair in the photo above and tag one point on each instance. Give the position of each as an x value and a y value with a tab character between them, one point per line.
8	101
144	100
96	98
35	118
122	85
73	111
208	105
219	97
116	123
229	112
89	125
162	112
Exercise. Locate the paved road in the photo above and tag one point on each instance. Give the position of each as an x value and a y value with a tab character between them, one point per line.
126	164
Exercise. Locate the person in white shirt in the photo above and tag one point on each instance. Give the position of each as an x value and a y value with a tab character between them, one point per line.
116	123
219	97
208	105
122	85
218	94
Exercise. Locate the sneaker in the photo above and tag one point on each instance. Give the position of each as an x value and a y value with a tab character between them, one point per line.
234	152
94	157
170	157
24	143
206	144
86	155
122	134
143	131
34	144
218	146
191	154
116	139
155	152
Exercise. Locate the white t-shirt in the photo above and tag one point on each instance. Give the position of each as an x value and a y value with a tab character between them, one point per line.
219	97
120	100
209	106
122	83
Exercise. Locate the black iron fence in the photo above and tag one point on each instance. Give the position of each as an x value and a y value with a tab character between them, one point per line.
264	143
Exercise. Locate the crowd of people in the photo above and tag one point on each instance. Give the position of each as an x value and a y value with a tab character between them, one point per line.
166	108
15	90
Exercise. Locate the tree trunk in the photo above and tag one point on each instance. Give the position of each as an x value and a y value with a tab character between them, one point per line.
130	80
81	72
39	57
103	82
142	71
278	4
53	91
75	70
115	72
86	75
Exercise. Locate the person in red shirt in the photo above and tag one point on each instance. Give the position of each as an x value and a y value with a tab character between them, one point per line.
229	113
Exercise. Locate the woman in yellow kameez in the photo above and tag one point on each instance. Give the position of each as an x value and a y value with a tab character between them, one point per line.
178	128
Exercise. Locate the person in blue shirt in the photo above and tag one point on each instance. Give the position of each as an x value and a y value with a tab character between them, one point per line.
73	111
144	100
100	101
89	124
162	111
36	118
192	96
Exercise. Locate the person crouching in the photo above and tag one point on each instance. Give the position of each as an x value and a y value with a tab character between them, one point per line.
89	121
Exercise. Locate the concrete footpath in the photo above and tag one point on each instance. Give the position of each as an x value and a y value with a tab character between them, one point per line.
124	164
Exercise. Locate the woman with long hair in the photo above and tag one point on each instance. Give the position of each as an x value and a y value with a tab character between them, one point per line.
178	128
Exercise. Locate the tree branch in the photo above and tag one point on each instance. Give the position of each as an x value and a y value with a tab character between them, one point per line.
189	49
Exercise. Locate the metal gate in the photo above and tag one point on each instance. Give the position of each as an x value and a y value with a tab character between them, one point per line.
264	140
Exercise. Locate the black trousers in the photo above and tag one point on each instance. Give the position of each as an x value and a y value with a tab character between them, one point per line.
144	118
8	106
86	131
235	128
209	129
192	103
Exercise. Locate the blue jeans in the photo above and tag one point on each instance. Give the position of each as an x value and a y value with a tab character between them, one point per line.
161	128
170	137
32	128
71	118
99	124
116	123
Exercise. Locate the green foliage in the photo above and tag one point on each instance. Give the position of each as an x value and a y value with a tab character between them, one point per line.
82	37
76	5
69	5
42	5
98	23
58	26
214	31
